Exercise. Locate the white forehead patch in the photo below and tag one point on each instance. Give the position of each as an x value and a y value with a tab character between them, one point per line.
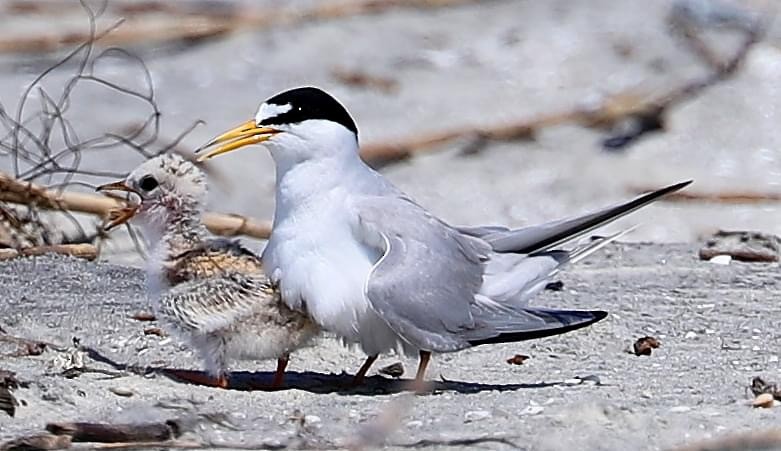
268	110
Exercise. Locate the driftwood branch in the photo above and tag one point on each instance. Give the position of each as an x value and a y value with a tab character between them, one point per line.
18	192
114	433
28	346
627	116
187	23
37	442
83	250
733	197
750	441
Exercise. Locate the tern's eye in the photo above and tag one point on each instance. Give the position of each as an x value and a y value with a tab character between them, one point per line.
148	183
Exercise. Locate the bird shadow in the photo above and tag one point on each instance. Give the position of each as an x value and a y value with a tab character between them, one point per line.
322	383
318	383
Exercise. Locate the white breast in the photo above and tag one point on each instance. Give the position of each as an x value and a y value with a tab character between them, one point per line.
320	267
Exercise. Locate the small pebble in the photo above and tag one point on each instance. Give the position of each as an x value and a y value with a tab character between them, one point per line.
517	359
765	400
143	316
476	415
393	370
573	381
121	391
312	419
532	410
689	335
154	331
414	424
721	259
591	379
680	409
644	345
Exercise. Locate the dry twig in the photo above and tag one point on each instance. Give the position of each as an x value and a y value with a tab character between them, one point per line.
627	116
28	346
43	147
85	251
36	442
8	383
35	196
113	433
721	198
750	441
191	22
362	79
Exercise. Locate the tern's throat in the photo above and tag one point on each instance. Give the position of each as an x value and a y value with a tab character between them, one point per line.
308	182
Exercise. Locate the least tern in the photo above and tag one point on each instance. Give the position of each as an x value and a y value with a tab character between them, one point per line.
212	292
376	268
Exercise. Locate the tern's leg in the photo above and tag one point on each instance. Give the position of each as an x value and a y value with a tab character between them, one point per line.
361	375
419	384
279	376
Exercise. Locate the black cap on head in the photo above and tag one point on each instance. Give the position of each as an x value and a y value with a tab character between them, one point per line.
308	103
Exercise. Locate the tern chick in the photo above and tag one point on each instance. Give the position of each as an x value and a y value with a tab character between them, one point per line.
212	292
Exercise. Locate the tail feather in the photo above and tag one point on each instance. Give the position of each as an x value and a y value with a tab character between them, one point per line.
579	254
546	236
551	322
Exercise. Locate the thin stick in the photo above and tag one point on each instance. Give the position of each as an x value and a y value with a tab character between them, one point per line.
194	25
750	441
734	197
113	433
30	194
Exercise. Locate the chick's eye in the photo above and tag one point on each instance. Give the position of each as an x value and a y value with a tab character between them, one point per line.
148	183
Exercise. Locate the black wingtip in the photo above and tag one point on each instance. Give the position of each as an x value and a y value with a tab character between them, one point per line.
604	217
661	192
511	337
674	187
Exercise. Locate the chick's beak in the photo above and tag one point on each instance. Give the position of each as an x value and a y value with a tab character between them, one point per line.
116	186
119	215
244	135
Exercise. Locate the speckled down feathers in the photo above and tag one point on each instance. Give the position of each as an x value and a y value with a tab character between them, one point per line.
222	302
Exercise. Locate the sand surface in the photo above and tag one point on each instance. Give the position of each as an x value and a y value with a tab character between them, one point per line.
715	323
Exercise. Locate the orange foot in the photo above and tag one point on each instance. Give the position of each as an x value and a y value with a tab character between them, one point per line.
199	378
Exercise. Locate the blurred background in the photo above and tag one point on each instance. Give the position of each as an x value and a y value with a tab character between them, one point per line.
487	112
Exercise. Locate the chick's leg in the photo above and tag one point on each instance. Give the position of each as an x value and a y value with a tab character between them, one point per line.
279	375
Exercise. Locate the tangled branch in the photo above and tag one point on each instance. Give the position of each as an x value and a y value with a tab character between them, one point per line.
42	147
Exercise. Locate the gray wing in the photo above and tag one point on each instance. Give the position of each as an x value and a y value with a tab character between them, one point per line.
429	283
424	284
542	237
214	303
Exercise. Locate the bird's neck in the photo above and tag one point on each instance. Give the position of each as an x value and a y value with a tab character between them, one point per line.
183	233
179	232
307	181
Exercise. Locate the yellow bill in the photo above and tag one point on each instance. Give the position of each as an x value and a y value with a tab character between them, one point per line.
244	135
